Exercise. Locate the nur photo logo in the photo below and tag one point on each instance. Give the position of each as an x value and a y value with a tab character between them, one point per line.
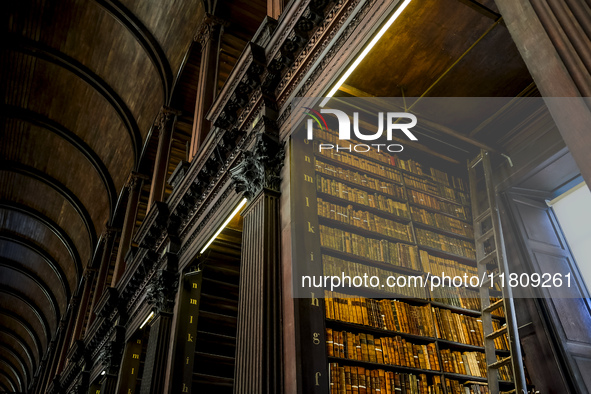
388	123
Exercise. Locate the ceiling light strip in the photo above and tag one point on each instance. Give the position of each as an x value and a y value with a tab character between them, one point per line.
365	51
234	213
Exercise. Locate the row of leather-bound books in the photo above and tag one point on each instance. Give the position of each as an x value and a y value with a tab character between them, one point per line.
437	189
430	175
445	243
460	328
369	221
385	314
429	201
365	180
370	248
380	249
398	316
439	266
382	350
470	363
443	222
455	387
347	271
372	222
364	220
460	297
360	380
362	197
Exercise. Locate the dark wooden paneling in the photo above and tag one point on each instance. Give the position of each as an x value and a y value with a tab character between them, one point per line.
567	307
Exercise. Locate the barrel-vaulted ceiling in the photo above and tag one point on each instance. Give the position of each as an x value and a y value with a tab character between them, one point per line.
81	83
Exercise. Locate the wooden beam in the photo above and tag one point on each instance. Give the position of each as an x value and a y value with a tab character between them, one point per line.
484	10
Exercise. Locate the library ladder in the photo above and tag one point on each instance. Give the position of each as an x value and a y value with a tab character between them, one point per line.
492	265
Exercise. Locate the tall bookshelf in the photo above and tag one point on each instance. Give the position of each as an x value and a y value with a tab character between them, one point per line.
387	215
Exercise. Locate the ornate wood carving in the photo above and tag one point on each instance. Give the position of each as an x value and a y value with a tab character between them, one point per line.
161	291
260	167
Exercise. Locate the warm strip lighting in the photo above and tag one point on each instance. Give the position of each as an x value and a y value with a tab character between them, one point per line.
362	55
147	320
234	213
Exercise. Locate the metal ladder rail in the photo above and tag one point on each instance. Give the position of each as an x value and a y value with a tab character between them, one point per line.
484	260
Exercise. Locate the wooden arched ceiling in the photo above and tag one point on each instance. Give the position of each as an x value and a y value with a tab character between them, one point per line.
81	83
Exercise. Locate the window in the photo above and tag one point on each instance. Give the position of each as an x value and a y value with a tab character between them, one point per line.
573	211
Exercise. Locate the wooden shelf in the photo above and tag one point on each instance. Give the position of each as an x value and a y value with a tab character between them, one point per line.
463	311
427	208
360	327
441	231
442	253
444	199
367	261
390	367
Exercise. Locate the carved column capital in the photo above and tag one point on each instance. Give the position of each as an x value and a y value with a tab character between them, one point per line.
135	180
165	116
109	232
260	167
161	291
208	26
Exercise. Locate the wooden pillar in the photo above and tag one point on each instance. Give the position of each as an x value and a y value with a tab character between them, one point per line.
101	279
209	37
72	313
259	344
84	305
161	294
134	185
45	376
60	339
554	39
165	125
111	360
274	8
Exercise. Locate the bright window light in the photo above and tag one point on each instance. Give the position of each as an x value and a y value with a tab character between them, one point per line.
364	53
234	213
573	211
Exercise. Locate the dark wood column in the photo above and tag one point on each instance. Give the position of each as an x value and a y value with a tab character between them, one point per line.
101	279
165	125
60	339
134	185
110	358
208	36
259	344
554	39
72	313
161	294
84	305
